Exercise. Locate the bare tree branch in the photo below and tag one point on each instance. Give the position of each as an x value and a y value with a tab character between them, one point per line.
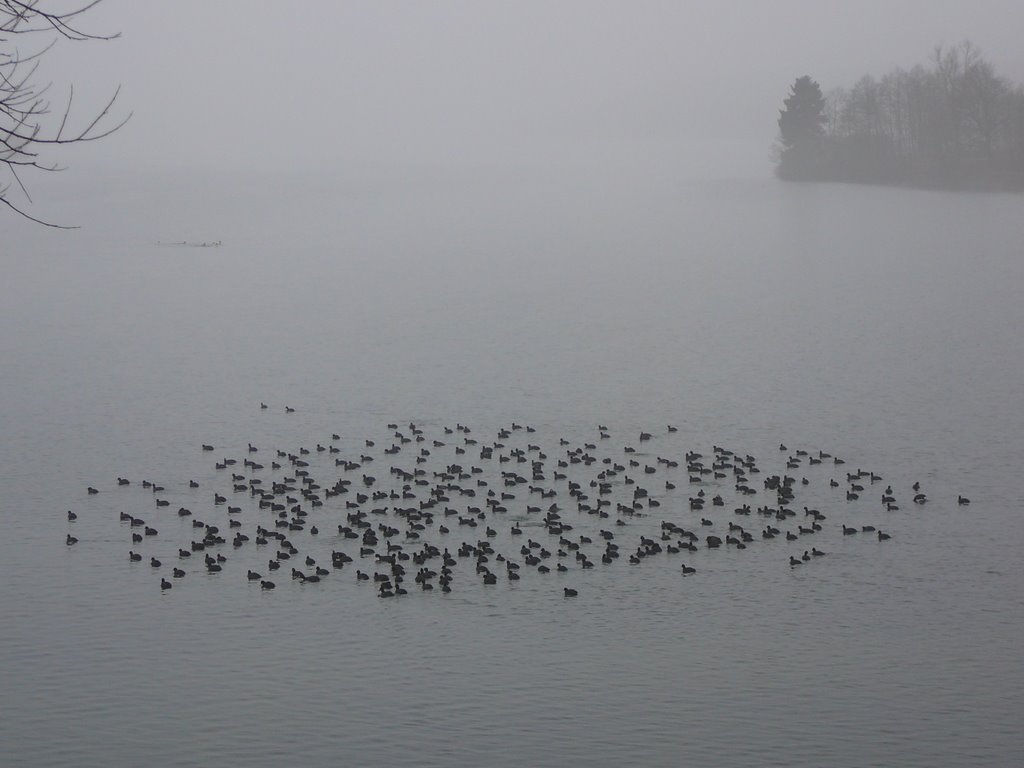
13	207
28	125
22	13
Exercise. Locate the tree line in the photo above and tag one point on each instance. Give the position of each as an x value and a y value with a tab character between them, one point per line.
954	123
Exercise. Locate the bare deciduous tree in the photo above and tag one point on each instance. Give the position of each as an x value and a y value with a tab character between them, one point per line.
31	130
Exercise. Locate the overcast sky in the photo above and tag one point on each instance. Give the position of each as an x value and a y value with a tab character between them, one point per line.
325	83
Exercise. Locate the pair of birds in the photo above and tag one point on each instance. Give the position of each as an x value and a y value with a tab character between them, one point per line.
71	540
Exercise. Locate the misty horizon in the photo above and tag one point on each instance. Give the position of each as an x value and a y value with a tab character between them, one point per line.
469	82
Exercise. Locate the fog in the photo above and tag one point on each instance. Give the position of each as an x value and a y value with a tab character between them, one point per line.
325	221
340	86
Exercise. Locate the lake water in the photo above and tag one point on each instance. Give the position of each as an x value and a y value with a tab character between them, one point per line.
880	325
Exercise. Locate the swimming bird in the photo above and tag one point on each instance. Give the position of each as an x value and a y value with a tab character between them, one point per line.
394	518
71	540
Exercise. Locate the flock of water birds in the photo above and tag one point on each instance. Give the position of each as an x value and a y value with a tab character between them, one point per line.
419	512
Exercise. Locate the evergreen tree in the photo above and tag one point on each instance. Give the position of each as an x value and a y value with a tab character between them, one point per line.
801	127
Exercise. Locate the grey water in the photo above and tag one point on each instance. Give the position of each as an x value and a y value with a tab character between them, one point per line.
880	325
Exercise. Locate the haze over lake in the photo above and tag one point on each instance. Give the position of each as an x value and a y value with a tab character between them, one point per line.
453	384
878	325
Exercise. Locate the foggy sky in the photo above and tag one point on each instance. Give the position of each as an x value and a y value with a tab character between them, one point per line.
325	85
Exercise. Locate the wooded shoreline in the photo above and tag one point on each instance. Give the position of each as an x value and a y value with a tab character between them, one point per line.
954	124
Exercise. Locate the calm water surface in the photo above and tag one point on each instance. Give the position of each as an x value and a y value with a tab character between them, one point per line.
880	325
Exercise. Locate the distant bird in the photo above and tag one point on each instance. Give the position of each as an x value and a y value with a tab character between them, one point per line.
569	592
71	540
962	501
